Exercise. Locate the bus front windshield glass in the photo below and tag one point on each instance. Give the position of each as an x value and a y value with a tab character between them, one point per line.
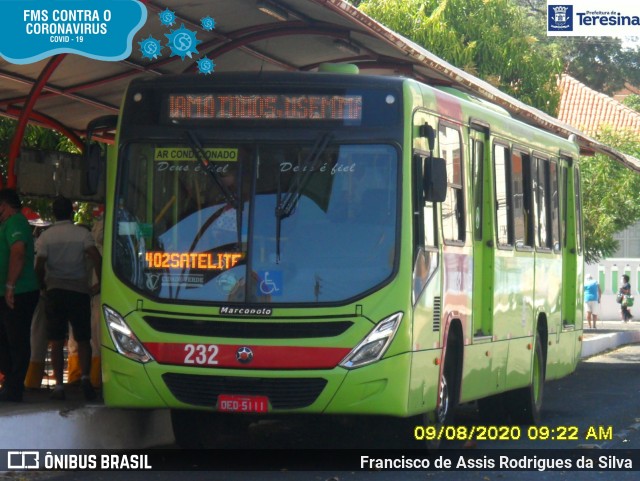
256	223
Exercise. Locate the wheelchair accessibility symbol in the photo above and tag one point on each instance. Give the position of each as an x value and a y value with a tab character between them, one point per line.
270	283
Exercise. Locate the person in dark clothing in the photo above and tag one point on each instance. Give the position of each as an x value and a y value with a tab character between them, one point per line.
62	251
19	295
625	290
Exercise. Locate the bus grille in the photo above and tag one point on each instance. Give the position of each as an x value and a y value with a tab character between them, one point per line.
282	393
437	308
243	329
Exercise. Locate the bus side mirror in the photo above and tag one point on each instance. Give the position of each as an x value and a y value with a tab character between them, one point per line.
427	132
93	167
94	164
434	181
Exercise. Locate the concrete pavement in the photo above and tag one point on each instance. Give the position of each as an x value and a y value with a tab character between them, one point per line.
40	423
609	335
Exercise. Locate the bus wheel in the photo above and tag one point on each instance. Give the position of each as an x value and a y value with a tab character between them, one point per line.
525	404
443	415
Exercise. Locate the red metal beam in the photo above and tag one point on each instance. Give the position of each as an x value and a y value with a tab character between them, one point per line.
14	149
51	123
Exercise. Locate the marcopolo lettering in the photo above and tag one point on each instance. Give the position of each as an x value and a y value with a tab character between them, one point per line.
245	311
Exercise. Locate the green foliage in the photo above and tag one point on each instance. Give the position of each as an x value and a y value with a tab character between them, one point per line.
601	63
36	137
504	42
490	39
632	101
610	190
84	214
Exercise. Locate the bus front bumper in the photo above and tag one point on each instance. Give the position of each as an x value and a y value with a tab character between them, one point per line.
379	388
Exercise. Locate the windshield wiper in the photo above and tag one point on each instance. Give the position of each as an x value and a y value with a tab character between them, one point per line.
299	182
229	197
285	208
201	156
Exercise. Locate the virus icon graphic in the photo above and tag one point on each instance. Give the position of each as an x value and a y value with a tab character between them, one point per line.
167	17
206	66
150	48
182	42
208	23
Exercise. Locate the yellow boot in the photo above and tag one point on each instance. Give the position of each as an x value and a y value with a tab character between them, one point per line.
96	372
33	379
74	373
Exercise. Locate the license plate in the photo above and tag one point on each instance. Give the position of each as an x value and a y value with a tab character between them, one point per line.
243	404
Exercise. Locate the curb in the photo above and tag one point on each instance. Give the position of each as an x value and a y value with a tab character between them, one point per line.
603	342
86	427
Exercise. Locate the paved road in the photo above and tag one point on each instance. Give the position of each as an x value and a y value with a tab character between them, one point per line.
602	392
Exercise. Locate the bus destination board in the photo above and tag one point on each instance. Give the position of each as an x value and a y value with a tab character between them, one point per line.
265	107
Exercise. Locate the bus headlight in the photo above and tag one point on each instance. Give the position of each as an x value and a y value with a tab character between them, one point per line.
124	339
372	347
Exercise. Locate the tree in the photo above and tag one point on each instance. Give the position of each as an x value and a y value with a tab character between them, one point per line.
488	39
36	137
609	195
632	101
504	42
602	63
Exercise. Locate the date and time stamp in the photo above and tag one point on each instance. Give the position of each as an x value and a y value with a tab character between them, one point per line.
592	434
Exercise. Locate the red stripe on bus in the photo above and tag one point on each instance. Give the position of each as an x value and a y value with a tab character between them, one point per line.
263	357
448	105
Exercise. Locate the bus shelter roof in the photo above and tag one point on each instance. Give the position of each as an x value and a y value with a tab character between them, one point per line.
67	91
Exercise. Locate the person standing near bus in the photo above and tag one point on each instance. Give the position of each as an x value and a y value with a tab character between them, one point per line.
592	295
61	269
19	291
625	290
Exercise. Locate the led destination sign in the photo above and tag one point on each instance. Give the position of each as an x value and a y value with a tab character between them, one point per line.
265	107
192	260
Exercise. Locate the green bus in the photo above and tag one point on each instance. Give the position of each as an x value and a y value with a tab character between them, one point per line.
283	243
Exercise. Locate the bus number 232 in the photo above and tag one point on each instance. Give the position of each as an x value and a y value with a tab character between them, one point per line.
201	354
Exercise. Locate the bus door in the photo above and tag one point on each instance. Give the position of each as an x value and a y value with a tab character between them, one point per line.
483	252
427	273
571	223
486	358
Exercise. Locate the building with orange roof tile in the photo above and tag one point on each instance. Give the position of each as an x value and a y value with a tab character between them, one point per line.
591	111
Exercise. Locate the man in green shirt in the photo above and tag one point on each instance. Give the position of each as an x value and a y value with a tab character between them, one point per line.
20	292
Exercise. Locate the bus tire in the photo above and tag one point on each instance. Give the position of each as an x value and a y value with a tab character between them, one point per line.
445	412
525	404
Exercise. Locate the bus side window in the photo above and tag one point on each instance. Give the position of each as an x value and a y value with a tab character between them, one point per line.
555	205
522	190
453	219
564	173
543	204
578	205
504	224
426	230
477	169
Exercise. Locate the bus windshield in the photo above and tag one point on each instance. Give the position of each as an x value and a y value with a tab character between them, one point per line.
256	222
